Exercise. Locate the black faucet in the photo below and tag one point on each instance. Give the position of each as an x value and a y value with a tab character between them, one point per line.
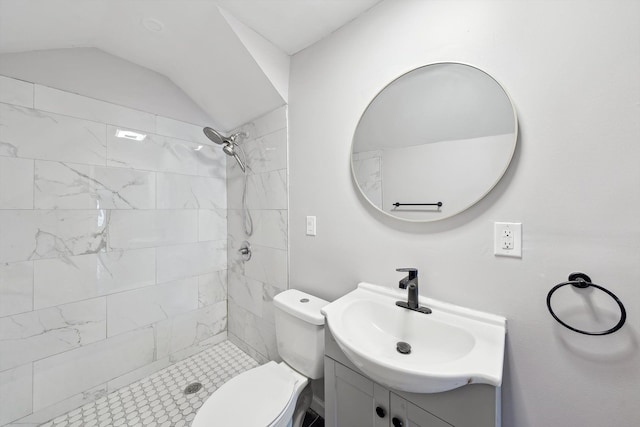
411	284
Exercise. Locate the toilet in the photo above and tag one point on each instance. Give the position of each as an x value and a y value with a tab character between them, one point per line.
275	394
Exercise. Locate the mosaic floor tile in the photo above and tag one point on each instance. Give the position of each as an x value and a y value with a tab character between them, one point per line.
159	399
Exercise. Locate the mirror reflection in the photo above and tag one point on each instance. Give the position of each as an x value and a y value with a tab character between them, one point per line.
434	142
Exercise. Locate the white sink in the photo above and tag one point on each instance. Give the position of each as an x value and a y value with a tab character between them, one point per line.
451	347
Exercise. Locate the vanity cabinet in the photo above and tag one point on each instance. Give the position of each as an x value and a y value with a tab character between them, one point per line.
353	400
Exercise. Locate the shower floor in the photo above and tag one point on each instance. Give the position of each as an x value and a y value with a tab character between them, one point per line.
159	399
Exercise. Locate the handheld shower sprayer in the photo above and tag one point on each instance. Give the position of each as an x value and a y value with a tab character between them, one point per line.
229	145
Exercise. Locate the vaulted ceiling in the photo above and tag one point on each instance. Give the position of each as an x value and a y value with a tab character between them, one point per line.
230	56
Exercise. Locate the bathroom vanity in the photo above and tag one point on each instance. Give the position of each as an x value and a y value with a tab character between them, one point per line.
433	365
354	400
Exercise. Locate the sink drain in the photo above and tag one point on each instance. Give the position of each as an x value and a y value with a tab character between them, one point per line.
192	388
403	347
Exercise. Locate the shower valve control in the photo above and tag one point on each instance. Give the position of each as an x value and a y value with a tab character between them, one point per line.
245	251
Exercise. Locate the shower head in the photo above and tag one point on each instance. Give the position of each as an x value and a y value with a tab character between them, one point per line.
214	135
220	139
228	143
230	150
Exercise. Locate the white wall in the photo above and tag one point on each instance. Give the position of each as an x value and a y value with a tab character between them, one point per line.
456	173
94	73
572	70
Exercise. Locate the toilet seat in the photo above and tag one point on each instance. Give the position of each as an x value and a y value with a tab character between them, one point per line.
261	397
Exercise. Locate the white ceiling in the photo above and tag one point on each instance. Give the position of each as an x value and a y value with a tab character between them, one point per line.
229	70
293	25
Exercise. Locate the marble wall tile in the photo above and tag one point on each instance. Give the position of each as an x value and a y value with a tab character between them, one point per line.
154	153
268	265
137	374
28	234
193	259
16	183
16	288
34	134
16	92
198	347
235	187
61	185
266	124
253	296
253	284
87	234
268	190
38	334
368	171
71	104
250	329
15	393
130	310
262	336
190	330
175	334
61	280
63	406
270	227
211	321
212	224
268	292
247	349
212	288
267	153
246	293
212	161
236	322
235	263
264	191
235	227
182	130
67	374
176	191
133	229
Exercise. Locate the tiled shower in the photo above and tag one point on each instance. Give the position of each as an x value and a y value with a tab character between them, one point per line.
113	252
253	284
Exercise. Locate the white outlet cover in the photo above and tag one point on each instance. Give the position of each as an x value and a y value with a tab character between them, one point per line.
498	236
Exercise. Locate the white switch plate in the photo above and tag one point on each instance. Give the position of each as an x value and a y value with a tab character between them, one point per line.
507	239
311	225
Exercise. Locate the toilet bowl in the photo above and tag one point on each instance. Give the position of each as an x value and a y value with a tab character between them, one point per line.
275	394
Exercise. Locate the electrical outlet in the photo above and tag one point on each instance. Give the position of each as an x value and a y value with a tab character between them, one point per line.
507	239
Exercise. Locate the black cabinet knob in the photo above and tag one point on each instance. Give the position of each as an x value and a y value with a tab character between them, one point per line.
381	412
397	422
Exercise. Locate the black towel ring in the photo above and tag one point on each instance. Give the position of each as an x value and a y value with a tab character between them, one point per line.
581	280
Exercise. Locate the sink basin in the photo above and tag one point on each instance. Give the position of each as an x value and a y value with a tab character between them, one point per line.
451	347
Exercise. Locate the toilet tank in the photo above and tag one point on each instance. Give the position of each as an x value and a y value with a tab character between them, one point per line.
300	331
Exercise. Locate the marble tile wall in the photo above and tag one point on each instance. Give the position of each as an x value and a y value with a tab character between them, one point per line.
253	284
367	166
113	252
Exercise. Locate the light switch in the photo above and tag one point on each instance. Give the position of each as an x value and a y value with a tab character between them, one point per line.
507	239
311	225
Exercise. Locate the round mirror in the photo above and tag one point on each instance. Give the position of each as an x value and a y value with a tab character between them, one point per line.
434	142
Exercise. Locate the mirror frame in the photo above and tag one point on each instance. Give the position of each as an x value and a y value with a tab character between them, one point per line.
484	194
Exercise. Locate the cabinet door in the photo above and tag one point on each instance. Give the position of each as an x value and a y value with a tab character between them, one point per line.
352	400
406	414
